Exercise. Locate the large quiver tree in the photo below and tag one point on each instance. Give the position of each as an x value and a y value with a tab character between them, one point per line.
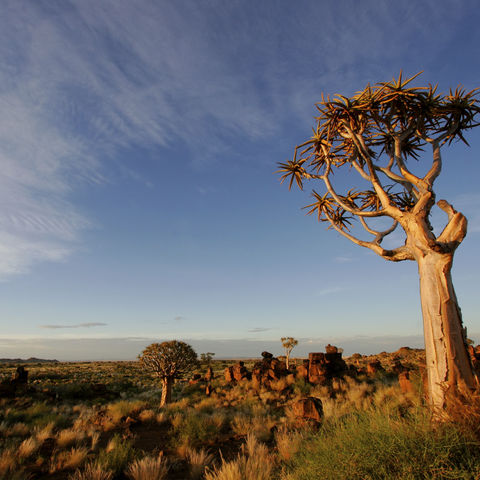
379	135
169	360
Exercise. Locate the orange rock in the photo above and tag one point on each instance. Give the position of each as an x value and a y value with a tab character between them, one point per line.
405	382
308	409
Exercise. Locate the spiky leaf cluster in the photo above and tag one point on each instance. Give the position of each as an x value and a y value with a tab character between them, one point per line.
377	132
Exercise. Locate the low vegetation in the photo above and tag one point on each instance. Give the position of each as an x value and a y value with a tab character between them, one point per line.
104	421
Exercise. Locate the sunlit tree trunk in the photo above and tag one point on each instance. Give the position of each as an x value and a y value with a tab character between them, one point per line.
167	383
447	360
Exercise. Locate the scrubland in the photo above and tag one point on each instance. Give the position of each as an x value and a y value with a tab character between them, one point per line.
102	421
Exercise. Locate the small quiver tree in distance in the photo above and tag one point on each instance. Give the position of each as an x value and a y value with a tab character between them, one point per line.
379	137
288	343
169	360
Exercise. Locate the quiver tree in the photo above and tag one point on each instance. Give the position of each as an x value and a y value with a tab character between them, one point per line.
379	136
169	360
288	343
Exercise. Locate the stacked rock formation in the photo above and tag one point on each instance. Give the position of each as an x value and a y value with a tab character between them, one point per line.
324	366
268	369
236	373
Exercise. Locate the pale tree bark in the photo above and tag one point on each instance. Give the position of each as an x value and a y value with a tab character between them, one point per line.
447	360
167	383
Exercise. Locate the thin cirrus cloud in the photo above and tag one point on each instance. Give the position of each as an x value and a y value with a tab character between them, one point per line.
82	80
78	325
259	329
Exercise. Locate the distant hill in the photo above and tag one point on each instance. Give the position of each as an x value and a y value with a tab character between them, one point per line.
28	360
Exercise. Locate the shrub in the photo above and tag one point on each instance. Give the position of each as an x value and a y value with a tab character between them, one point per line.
117	455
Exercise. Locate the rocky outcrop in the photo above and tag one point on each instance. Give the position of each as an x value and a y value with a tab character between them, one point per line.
307	410
228	374
268	369
209	376
374	367
405	382
302	370
240	372
324	366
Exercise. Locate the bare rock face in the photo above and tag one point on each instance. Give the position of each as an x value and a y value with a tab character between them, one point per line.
374	367
240	372
331	349
268	369
323	366
308	410
302	370
398	367
209	376
405	382
228	373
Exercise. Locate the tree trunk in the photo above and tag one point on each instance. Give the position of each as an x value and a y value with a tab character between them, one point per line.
448	363
166	391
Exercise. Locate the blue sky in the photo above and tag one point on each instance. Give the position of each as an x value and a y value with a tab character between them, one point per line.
138	144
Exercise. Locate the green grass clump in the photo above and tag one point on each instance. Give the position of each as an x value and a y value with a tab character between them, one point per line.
118	454
374	445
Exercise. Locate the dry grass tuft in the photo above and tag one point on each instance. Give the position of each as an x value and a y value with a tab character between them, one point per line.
464	411
148	468
199	460
68	459
41	434
254	463
8	462
28	447
91	472
147	416
68	437
288	443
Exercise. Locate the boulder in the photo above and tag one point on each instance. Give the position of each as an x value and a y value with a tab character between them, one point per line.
209	376
302	370
405	382
374	367
240	372
228	373
308	410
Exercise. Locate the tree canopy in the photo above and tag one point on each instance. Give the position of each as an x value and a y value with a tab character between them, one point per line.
380	133
170	359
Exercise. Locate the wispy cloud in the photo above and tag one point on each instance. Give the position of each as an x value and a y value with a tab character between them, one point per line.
83	80
78	325
259	329
331	290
